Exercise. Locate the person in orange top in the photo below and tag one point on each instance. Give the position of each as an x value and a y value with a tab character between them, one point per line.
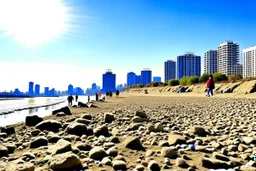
210	86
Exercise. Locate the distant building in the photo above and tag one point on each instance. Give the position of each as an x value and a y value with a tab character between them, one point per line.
79	91
109	81
228	58
138	79
46	91
210	61
249	62
120	87
131	78
17	91
156	79
169	70
70	89
94	86
37	89
31	88
188	65
146	76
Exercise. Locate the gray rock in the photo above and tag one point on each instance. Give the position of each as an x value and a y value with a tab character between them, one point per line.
65	161
97	153
153	166
169	152
119	165
49	125
109	117
133	143
38	142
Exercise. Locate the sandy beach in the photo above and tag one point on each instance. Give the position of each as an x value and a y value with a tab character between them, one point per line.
147	132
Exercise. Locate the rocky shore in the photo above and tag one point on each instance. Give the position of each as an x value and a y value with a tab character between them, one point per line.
136	133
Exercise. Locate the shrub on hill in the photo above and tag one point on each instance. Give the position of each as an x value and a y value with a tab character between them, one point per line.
217	77
192	80
184	80
173	82
234	78
203	78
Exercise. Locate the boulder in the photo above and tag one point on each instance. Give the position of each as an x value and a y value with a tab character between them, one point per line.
119	165
169	152
199	130
214	163
11	166
133	143
141	114
3	151
136	119
8	130
83	121
62	146
87	116
153	166
97	153
33	120
180	162
101	130
80	104
65	161
78	129
38	142
49	125
174	139
109	117
64	110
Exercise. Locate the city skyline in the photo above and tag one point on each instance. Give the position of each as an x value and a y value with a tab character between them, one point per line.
95	37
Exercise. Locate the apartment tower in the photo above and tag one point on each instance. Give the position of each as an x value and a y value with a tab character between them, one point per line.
210	61
249	62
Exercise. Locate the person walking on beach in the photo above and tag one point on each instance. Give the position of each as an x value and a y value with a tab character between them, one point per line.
70	99
76	97
117	92
88	98
210	86
97	97
107	94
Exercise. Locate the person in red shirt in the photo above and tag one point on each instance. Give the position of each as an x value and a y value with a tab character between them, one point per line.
210	86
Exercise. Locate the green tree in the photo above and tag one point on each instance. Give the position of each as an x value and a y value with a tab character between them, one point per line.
173	82
192	80
183	80
234	78
218	76
203	78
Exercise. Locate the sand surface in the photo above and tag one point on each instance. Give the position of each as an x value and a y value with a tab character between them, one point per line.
222	129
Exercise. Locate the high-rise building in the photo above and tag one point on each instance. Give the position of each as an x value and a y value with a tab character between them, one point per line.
109	81
131	78
146	76
156	79
46	91
94	86
249	62
210	61
70	89
169	70
137	79
37	89
228	58
31	88
79	91
188	65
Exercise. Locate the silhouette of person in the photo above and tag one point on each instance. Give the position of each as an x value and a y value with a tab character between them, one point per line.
107	94
117	92
88	98
70	99
97	97
76	97
110	94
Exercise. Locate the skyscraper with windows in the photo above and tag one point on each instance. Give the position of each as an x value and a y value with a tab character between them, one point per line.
109	81
70	89
188	65
31	88
146	76
228	58
249	62
37	89
210	61
169	70
131	76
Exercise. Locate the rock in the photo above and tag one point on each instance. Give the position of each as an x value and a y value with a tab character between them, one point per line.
214	163
198	130
180	162
49	125
242	147
9	130
77	129
153	166
3	135
247	168
119	165
11	148
87	116
28	155
136	119
35	132
80	104
113	152
97	153
3	151
141	114
64	110
83	147
83	121
106	161
53	138
135	126
159	127
11	166
176	139
220	156
139	167
90	105
62	146
248	140
169	152
65	161
33	120
109	117
38	142
150	128
60	114
102	130
133	143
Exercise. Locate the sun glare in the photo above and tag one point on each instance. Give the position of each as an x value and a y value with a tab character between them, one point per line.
33	22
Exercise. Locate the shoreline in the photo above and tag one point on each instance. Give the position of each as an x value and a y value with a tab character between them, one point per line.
166	113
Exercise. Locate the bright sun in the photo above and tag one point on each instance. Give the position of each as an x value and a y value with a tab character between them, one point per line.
33	22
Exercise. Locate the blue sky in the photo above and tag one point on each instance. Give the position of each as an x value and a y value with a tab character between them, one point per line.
126	35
